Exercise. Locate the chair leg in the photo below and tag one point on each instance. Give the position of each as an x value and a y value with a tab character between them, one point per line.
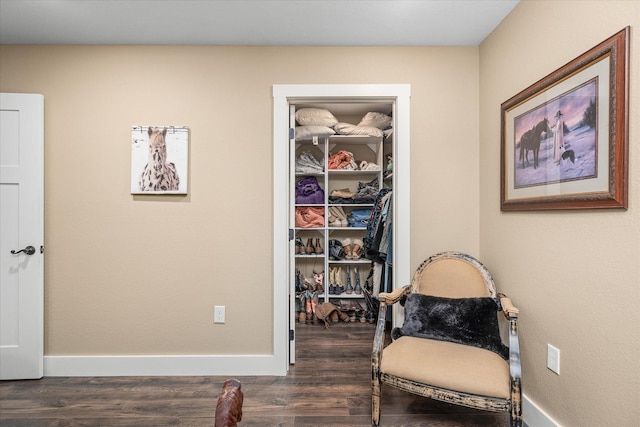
516	404
515	421
516	416
375	402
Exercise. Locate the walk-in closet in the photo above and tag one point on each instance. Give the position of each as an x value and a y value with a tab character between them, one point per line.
342	192
343	171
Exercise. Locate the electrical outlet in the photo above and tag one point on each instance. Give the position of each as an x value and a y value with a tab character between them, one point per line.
553	358
218	314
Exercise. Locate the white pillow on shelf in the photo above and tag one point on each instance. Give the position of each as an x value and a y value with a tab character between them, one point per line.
349	129
377	120
308	132
315	117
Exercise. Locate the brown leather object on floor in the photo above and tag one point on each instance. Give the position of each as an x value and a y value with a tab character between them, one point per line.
229	407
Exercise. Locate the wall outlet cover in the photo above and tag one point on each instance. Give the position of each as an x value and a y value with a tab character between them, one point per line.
219	314
553	358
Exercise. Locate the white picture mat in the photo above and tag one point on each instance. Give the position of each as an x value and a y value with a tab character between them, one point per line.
599	184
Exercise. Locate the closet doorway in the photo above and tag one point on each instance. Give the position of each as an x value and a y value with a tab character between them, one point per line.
347	101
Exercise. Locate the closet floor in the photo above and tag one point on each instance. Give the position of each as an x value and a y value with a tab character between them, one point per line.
330	385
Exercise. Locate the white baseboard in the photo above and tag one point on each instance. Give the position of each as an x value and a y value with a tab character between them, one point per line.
534	416
183	365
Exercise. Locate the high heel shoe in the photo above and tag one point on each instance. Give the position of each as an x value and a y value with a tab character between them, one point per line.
300	247
318	248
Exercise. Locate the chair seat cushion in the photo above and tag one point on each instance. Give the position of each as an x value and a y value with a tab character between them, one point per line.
447	365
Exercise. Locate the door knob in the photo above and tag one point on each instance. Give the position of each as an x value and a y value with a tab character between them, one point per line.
29	250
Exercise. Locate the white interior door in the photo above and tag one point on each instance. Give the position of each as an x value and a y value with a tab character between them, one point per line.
22	235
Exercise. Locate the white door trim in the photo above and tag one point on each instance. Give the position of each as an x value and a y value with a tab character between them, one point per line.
282	96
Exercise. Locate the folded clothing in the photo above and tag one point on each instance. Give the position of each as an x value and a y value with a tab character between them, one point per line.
309	216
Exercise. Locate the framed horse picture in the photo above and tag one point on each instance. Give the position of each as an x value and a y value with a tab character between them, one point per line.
159	159
564	139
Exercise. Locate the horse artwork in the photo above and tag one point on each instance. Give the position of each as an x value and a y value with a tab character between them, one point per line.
530	141
158	174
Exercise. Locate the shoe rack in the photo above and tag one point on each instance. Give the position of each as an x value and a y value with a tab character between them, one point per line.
342	278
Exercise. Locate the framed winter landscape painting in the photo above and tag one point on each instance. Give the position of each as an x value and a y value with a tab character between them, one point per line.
564	139
159	159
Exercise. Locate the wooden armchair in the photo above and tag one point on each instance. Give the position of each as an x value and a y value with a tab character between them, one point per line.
438	352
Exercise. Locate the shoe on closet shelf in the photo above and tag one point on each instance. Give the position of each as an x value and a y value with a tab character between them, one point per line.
332	289
346	246
349	288
300	250
302	315
336	251
318	278
339	288
356	249
358	288
314	306
309	249
318	248
306	283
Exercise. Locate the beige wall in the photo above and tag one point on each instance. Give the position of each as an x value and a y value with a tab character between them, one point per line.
132	275
129	275
575	275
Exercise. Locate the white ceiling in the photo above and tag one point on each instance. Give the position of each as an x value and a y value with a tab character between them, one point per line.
252	22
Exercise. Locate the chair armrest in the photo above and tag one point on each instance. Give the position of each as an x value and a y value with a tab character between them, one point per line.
508	308
386	298
515	368
394	296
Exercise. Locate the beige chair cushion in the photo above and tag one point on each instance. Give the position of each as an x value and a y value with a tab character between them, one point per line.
447	365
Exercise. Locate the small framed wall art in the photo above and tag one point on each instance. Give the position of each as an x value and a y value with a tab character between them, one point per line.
159	159
564	139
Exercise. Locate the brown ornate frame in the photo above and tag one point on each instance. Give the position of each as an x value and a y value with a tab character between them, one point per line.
616	49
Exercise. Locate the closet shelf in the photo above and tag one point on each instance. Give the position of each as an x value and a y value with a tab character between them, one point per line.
345	295
350	261
347	172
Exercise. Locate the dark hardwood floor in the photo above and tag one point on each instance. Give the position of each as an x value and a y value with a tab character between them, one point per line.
330	385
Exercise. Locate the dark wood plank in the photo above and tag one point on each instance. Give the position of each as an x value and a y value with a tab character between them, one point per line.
330	385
